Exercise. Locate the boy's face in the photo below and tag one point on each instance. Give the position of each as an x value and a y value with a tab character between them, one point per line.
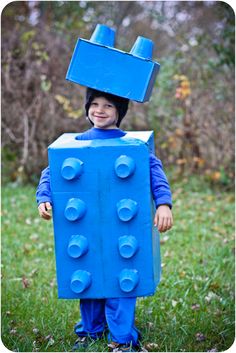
103	113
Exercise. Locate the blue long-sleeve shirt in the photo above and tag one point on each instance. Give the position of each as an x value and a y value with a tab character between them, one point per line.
159	184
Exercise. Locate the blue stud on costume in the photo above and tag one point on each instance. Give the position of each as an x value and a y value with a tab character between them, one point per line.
97	64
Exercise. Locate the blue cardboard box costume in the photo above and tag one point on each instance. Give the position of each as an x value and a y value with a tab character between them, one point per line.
105	243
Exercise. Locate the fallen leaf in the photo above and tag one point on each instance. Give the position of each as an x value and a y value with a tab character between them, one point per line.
50	340
40	246
13	331
47	337
34	237
26	248
25	282
164	239
213	350
200	337
52	283
28	221
150	325
182	274
151	346
195	307
33	272
214	285
212	296
174	303
35	348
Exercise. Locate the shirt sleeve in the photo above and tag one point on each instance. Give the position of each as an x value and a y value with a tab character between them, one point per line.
159	184
43	192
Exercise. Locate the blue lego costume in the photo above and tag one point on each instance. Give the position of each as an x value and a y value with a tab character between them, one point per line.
94	321
103	265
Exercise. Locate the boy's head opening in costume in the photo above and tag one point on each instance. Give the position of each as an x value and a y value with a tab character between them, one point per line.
120	103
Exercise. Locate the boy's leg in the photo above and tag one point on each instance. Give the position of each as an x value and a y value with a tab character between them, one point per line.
120	315
93	322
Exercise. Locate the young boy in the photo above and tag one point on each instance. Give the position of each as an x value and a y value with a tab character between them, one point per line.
105	112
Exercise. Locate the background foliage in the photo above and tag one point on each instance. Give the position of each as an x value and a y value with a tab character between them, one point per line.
192	106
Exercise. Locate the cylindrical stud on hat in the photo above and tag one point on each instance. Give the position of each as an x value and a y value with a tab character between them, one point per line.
124	166
75	209
71	168
128	280
126	209
80	281
142	48
103	35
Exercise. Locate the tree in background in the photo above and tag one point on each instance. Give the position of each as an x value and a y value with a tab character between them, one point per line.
192	106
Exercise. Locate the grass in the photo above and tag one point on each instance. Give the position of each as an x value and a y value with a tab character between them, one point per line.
192	310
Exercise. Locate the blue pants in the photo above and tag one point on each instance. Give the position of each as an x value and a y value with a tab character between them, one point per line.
116	314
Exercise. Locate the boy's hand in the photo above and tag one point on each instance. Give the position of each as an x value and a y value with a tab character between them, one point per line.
163	219
44	210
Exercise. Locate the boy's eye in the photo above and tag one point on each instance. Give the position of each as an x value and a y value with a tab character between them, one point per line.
108	105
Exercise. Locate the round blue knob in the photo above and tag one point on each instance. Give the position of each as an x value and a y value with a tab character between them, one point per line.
128	246
126	209
103	35
128	280
71	168
75	209
78	246
142	48
80	281
124	166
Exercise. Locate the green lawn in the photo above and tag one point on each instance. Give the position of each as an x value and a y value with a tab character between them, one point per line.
192	310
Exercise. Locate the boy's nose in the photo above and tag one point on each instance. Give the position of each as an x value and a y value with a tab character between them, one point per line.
99	109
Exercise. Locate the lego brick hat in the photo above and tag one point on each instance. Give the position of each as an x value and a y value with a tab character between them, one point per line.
120	103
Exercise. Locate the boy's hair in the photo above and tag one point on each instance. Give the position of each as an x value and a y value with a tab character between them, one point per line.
120	103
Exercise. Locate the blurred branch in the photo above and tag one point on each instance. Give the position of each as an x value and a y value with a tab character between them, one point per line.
10	134
26	140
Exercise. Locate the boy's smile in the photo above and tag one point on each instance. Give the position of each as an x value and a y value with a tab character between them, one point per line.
103	113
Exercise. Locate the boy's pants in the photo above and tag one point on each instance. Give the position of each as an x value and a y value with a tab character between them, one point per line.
115	313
